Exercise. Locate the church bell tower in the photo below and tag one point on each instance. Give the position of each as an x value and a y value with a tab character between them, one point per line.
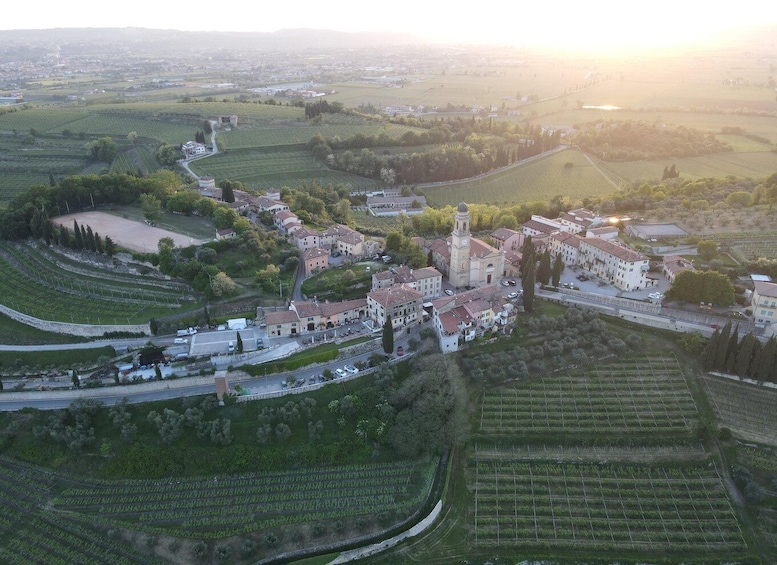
459	274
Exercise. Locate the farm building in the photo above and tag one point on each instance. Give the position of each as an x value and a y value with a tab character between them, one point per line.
651	232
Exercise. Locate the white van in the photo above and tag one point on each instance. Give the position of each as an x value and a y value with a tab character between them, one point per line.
180	340
231	347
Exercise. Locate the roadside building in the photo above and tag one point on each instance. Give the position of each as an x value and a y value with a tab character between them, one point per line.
315	260
764	303
403	303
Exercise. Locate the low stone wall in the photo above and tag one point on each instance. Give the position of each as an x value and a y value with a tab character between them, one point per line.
80	330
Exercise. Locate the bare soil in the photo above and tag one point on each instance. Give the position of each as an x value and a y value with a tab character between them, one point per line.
128	234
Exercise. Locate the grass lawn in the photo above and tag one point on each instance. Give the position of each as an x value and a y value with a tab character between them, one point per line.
14	333
64	359
332	284
539	179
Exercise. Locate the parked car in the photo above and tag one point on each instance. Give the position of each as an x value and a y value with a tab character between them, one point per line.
321	378
448	291
511	282
655	296
351	369
400	351
512	295
505	283
340	373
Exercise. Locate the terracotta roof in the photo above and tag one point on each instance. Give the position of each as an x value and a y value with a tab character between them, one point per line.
332	308
280	317
284	214
395	295
676	264
384	276
566	238
503	234
314	253
306	309
539	226
303	232
616	250
426	273
605	229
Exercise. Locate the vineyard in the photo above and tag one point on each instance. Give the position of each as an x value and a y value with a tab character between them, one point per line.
39	285
32	535
276	168
638	395
749	410
598	460
602	507
51	518
539	179
229	506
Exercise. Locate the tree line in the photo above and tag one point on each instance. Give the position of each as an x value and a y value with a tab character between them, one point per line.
746	357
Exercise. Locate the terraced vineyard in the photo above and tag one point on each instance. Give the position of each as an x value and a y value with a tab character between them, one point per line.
39	285
31	535
749	410
603	507
232	505
642	395
603	494
48	518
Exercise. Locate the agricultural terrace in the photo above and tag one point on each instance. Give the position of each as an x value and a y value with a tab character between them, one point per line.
290	166
749	410
30	534
765	247
636	395
135	160
227	506
125	233
538	179
42	284
603	507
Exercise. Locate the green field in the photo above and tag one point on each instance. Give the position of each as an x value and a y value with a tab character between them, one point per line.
276	168
755	165
539	179
749	410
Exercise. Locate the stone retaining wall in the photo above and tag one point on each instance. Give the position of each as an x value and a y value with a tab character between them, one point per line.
81	330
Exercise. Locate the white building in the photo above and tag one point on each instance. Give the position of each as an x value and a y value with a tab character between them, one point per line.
625	268
764	303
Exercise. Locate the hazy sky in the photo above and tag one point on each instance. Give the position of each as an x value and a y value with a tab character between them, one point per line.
599	24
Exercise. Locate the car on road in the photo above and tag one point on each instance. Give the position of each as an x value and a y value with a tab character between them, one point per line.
511	282
400	351
512	295
340	373
655	296
505	283
448	291
321	378
351	369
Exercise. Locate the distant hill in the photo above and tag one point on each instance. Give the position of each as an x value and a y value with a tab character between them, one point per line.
155	40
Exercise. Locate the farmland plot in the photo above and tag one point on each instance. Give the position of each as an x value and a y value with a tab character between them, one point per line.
642	395
602	507
749	410
204	507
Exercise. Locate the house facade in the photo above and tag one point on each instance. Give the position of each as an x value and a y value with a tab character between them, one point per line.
764	302
315	260
625	268
402	302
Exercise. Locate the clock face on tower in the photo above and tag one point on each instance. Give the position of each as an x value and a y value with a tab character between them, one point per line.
464	241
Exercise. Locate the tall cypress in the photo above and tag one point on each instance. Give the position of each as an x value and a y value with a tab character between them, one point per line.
388	335
722	348
558	268
765	360
77	233
544	271
527	255
731	349
711	351
527	284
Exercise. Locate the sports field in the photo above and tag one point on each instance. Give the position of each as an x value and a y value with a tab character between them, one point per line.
125	233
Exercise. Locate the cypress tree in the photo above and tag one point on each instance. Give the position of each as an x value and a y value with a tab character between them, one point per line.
527	284
527	255
84	240
239	343
388	336
722	348
765	360
110	247
78	237
98	243
544	271
731	350
744	355
558	268
64	236
90	243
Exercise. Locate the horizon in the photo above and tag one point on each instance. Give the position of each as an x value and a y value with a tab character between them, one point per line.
598	26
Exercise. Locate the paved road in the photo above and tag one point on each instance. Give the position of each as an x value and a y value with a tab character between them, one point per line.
140	393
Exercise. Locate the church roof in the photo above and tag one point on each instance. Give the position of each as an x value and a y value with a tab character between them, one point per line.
463	208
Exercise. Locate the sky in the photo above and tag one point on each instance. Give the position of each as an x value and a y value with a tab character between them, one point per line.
605	25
